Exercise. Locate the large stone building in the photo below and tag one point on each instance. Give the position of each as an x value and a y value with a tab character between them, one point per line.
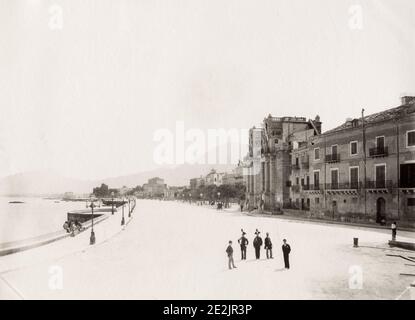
268	164
155	187
363	169
214	178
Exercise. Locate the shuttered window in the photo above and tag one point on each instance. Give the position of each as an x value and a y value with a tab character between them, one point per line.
410	138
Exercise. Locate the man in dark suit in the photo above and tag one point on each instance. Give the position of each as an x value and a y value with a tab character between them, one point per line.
243	241
286	249
257	245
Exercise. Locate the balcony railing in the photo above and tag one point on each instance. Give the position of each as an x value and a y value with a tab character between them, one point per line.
312	187
407	184
295	166
343	186
305	164
378	152
295	188
335	157
379	184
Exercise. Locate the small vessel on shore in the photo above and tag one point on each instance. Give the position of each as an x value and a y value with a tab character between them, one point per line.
16	202
117	203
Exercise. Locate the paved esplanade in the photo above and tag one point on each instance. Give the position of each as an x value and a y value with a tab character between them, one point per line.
173	250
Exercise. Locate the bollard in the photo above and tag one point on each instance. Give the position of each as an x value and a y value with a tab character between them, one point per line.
355	242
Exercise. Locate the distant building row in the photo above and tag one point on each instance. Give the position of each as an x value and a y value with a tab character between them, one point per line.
219	178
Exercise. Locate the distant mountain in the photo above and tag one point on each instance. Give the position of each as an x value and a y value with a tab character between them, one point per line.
49	182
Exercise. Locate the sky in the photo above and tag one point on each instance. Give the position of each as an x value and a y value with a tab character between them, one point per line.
84	85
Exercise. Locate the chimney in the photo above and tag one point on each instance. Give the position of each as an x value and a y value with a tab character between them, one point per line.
405	100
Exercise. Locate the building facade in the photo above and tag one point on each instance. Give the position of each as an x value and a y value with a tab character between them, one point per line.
268	164
155	187
363	169
214	178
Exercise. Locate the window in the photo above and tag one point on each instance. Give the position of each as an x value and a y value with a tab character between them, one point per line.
297	181
317	200
317	154
354	177
302	181
407	179
334	149
334	178
380	143
411	202
316	178
353	148
410	138
380	175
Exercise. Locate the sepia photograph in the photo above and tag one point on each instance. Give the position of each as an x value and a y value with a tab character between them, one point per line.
207	154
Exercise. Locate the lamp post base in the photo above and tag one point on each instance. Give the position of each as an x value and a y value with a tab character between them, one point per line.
92	238
122	221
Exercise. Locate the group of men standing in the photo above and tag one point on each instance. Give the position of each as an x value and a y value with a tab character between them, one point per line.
257	243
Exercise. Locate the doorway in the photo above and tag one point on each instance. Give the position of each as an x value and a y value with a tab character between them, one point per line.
380	210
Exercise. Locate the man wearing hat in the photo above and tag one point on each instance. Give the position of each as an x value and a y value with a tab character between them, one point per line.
286	249
257	244
243	241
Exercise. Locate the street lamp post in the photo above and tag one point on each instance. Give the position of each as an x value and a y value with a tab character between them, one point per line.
123	219
92	237
201	198
112	202
129	208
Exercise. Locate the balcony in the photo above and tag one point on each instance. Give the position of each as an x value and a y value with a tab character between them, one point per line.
295	166
305	164
380	184
335	157
312	187
378	152
354	185
295	188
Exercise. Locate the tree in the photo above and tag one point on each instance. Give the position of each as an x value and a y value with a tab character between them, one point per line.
101	191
